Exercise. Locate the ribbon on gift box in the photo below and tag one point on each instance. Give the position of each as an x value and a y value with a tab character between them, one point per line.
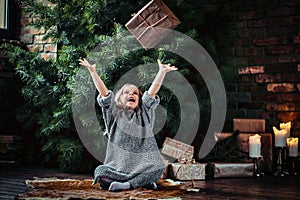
152	27
184	160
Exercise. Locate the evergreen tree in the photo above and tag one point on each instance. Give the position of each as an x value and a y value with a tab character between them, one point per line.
78	26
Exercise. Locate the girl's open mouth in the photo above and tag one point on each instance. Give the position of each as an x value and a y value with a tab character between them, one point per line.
131	99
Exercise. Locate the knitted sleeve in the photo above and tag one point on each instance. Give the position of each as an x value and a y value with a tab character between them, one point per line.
106	103
150	102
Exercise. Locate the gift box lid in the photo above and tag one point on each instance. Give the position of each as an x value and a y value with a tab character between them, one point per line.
177	149
249	125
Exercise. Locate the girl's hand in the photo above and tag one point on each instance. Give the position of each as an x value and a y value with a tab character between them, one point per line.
159	78
166	67
101	87
83	62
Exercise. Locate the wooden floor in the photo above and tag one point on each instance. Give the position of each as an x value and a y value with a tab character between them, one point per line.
12	183
12	179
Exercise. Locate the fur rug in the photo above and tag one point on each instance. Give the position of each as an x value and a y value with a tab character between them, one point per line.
53	188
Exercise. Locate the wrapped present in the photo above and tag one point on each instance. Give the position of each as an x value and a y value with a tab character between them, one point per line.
249	125
177	149
185	172
265	162
152	23
165	173
232	170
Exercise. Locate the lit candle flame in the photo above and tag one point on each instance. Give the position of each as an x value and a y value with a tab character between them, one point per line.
287	127
280	137
293	146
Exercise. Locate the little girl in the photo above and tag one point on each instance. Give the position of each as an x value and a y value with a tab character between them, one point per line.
133	159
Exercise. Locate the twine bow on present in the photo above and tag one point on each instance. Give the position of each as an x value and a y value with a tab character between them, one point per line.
186	159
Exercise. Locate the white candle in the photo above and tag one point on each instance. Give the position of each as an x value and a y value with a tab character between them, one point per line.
287	127
280	137
293	146
254	146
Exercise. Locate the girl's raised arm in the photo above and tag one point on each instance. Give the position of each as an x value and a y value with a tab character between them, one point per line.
101	87
158	80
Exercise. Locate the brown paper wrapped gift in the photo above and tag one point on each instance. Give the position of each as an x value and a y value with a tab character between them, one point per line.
249	125
233	170
185	172
177	149
266	147
152	23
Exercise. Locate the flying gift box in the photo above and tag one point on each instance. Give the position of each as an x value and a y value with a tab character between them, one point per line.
152	23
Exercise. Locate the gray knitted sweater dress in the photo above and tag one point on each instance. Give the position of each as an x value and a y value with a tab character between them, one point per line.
132	153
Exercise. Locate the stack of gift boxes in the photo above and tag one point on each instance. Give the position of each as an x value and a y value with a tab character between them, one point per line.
185	167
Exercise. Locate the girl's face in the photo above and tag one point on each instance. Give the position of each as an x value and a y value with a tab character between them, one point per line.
130	97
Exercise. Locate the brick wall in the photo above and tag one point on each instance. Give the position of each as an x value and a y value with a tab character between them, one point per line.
34	39
10	86
10	83
265	40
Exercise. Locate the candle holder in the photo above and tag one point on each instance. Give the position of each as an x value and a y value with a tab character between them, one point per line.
284	161
292	169
280	164
292	153
257	172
